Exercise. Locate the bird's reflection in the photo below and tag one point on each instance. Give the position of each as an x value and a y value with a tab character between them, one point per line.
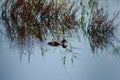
63	43
53	43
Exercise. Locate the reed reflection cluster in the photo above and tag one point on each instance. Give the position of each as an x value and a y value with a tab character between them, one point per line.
101	28
26	20
42	19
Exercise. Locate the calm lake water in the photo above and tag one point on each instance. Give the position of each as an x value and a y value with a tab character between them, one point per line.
50	67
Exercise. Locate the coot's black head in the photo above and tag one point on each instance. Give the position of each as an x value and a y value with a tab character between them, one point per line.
65	43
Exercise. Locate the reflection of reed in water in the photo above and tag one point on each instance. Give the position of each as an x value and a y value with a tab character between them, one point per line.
101	29
26	20
37	19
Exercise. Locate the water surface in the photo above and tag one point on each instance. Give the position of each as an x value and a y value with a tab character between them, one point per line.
50	67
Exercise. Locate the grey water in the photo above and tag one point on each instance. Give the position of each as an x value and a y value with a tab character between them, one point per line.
50	67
